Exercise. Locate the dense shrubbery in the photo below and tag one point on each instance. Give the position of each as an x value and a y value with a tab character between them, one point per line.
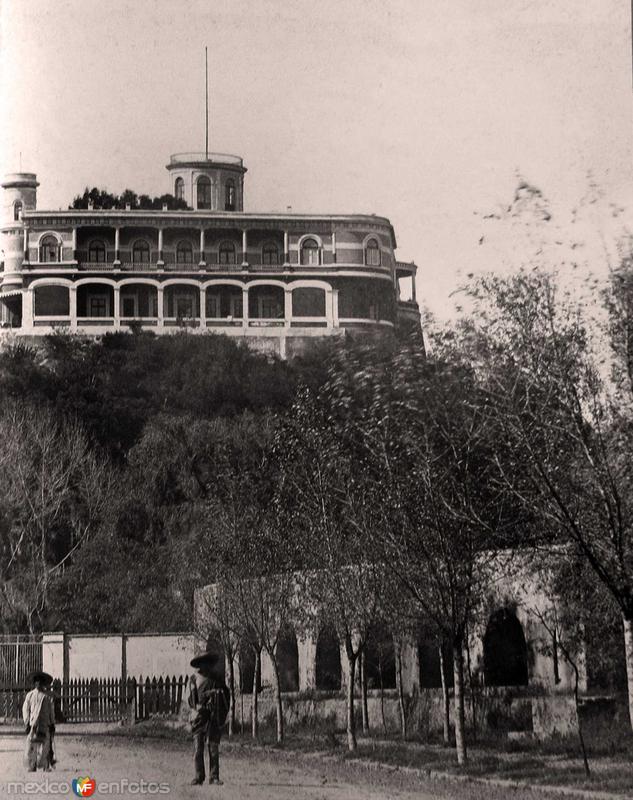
163	416
100	198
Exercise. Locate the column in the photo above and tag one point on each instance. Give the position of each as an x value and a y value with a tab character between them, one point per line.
286	249
244	248
160	261
245	307
75	243
27	310
72	300
334	247
202	262
117	245
203	306
329	307
287	307
116	298
413	296
335	322
26	244
160	317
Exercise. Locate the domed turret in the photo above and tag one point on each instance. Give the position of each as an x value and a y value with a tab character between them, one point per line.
19	194
208	181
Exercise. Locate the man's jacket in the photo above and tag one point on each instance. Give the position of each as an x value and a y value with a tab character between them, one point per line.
209	701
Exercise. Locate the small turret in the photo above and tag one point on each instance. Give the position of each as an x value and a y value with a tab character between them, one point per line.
208	181
19	194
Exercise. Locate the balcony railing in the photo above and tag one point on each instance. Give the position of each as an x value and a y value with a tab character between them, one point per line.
216	158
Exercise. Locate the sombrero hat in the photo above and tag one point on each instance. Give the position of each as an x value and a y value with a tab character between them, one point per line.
40	675
207	659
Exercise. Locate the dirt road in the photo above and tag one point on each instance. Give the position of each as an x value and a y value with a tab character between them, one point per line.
166	769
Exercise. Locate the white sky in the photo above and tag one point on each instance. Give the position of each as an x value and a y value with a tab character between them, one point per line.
421	110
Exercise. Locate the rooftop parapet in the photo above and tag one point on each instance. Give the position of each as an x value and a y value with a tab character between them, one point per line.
179	159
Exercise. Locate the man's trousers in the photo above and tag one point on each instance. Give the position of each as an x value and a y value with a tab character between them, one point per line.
213	740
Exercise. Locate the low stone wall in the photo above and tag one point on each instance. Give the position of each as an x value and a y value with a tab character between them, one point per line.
504	712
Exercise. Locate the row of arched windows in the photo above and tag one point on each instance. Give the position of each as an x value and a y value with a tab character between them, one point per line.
311	252
203	193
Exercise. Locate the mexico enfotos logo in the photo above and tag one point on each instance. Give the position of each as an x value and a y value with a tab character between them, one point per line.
86	787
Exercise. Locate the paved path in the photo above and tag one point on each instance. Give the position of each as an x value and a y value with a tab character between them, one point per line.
247	775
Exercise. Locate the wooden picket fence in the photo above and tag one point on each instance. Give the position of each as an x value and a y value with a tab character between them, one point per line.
159	697
104	700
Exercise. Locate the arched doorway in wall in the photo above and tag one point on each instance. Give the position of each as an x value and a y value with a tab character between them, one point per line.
328	660
505	650
214	645
380	658
246	663
287	654
429	663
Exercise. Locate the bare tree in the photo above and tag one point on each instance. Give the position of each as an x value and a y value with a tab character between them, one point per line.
318	497
421	434
55	491
568	427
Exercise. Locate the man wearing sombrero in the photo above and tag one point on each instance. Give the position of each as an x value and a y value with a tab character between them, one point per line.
39	718
209	700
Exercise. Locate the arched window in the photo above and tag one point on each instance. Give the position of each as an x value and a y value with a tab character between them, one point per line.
505	650
96	252
49	249
226	253
287	654
270	254
140	252
184	253
372	253
266	302
308	301
17	210
179	189
310	252
51	301
229	195
328	660
204	192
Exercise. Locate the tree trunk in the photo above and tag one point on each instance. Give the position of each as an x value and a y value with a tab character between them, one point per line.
460	727
351	721
363	691
254	712
446	703
278	704
232	725
382	694
471	686
628	650
401	705
580	734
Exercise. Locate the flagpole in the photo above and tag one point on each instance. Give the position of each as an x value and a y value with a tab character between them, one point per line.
206	74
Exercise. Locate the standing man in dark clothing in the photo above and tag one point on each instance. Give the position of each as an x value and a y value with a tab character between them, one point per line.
209	700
